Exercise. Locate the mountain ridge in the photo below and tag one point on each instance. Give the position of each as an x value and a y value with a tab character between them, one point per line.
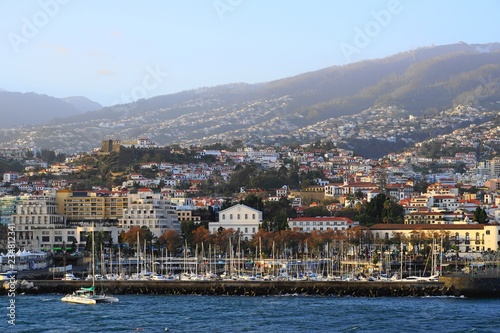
38	109
419	81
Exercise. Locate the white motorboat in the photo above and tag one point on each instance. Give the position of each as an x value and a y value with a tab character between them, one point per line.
82	296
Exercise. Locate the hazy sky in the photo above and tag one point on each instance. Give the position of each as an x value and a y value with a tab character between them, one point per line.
116	51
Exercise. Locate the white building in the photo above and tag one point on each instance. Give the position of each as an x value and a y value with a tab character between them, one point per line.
9	177
308	224
240	218
35	213
149	209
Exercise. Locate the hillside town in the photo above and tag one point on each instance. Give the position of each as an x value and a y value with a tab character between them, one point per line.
51	214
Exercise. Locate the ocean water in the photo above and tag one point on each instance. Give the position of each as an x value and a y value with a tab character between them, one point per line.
143	313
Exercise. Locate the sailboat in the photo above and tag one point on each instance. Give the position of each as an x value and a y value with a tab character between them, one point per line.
88	295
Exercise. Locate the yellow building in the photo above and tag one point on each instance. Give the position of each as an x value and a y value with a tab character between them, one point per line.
467	237
91	206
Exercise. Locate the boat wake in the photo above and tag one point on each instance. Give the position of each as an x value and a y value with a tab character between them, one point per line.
444	296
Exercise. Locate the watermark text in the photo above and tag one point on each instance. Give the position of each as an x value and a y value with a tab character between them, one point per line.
31	26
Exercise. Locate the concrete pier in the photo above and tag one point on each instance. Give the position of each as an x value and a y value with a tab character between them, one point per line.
251	288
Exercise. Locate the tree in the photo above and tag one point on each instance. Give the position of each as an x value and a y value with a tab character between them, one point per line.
253	201
276	213
480	215
200	235
171	239
383	209
317	211
421	186
130	236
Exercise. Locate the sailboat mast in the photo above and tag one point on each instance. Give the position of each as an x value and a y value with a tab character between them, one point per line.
92	260
137	255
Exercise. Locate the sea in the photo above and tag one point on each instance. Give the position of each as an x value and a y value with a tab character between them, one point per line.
290	313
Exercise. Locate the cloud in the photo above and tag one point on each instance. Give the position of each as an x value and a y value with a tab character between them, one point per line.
58	48
96	54
104	72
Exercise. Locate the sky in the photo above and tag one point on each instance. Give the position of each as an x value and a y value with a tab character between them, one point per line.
117	51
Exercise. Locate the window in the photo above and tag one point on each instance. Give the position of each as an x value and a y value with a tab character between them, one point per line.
253	218
223	216
238	216
246	216
246	230
230	216
487	232
253	230
45	239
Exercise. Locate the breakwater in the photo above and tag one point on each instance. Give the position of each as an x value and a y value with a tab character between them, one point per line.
252	288
481	285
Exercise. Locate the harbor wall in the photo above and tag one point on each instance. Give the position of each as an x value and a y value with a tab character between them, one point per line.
250	288
472	285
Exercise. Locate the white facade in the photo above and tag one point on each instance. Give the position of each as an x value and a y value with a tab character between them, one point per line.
9	177
240	218
149	209
308	224
33	214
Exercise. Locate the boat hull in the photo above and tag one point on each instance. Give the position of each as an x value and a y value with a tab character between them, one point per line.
78	300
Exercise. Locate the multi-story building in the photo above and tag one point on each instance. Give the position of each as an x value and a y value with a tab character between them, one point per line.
8	204
495	167
241	218
493	184
149	209
308	224
187	215
9	177
467	237
33	214
89	206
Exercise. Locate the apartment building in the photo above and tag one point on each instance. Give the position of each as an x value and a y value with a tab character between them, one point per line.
35	213
88	206
149	209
